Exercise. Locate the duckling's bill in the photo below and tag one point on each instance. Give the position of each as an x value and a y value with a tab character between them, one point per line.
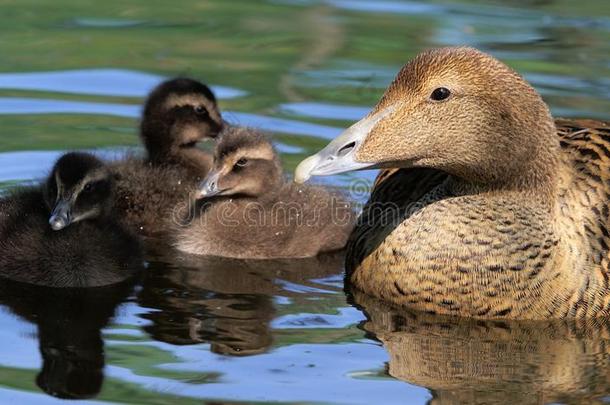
340	155
60	217
209	187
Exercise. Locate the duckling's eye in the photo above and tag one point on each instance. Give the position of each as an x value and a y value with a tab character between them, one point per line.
201	110
440	94
89	187
240	163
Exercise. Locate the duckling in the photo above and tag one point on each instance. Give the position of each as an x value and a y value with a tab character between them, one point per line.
491	213
249	211
63	233
177	115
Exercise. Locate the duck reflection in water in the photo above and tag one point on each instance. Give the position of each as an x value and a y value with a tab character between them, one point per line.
69	322
228	303
468	361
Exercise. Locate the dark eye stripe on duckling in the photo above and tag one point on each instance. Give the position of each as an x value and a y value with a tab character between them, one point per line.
89	183
199	105
64	182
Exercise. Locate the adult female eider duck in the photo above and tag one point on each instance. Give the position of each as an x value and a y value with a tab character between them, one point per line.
496	211
178	114
64	233
247	210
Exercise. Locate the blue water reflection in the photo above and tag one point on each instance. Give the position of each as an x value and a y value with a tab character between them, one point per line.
97	82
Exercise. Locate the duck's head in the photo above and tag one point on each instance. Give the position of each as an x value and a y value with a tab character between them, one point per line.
454	109
245	164
79	187
178	114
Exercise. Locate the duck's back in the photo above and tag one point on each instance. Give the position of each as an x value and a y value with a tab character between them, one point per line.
584	192
324	219
19	207
85	254
146	194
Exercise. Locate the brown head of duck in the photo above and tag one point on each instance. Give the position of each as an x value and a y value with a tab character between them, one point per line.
457	110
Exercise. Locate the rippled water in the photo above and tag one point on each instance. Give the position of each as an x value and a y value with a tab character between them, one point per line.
73	75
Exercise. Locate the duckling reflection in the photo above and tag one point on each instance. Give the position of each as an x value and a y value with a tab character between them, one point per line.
467	361
225	302
69	322
177	115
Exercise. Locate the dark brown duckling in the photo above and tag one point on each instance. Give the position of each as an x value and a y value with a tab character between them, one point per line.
177	115
248	210
63	233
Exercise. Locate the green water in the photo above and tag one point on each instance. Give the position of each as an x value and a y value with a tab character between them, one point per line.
73	74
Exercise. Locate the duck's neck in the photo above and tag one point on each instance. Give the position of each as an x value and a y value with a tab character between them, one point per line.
536	176
156	139
195	160
271	196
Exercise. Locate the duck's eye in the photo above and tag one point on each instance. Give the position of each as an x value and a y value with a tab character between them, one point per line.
201	110
89	187
240	163
440	94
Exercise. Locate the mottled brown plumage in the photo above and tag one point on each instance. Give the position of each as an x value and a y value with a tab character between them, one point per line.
249	211
492	214
178	114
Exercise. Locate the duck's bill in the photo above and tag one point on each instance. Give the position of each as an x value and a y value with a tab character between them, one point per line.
60	217
209	187
326	163
340	155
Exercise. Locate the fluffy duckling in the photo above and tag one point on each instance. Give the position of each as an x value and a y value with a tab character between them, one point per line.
177	115
248	210
492	214
63	233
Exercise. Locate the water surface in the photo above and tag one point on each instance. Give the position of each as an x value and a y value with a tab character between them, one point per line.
73	75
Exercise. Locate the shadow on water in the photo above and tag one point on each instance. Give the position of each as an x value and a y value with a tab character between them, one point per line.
225	302
467	361
69	323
